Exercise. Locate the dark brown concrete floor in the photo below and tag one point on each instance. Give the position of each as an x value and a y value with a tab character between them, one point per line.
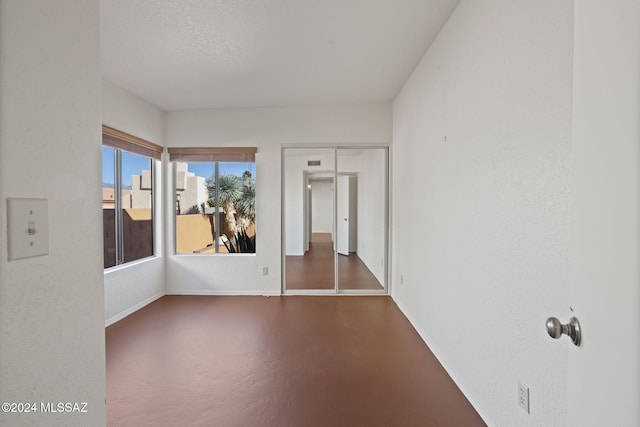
315	270
279	361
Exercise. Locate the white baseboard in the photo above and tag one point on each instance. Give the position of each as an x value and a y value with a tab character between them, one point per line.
209	292
133	309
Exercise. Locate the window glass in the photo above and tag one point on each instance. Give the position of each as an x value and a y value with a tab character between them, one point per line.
194	217
215	207
137	202
108	206
127	205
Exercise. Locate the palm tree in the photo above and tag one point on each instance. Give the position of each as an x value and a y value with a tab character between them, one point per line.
237	197
229	190
246	204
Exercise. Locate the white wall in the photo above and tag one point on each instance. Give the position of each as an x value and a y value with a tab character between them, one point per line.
52	307
372	210
129	287
128	113
267	129
321	207
604	372
482	134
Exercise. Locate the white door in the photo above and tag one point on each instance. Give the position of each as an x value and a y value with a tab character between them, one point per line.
604	372
353	214
343	216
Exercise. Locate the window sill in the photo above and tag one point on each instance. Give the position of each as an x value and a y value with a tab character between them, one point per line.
221	255
130	264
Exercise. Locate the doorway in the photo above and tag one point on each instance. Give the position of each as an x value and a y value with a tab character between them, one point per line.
335	220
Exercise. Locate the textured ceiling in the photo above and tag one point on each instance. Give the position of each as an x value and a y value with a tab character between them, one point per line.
193	54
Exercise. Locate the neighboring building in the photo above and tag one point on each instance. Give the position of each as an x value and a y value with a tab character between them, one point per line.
191	191
108	201
139	196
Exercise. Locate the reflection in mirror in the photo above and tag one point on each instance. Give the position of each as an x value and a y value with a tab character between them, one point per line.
308	219
361	232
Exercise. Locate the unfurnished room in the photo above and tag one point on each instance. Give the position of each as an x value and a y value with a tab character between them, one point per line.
320	213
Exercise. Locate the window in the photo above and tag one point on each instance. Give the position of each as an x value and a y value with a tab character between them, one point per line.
127	196
215	200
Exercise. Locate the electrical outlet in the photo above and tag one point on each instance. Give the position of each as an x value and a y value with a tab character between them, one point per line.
265	271
523	396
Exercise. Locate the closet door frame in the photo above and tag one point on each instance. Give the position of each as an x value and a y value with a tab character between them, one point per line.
387	215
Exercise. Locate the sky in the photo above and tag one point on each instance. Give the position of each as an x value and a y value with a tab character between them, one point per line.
206	169
134	165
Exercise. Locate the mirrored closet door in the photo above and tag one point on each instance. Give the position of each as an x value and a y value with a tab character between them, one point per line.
361	225
335	220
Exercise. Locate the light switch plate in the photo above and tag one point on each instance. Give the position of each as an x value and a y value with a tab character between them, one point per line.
28	223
